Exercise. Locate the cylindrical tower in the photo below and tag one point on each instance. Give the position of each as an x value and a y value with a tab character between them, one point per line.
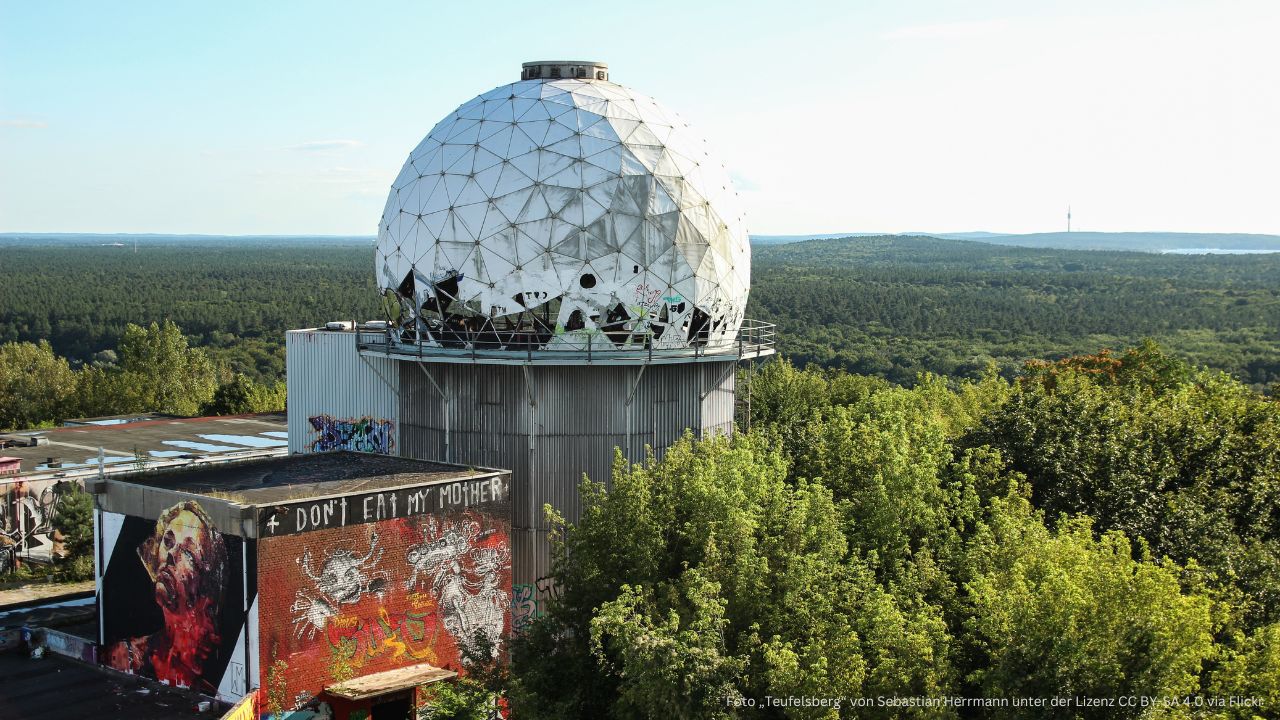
565	271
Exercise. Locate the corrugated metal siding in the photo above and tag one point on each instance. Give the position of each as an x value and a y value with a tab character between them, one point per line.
530	556
720	386
579	416
327	376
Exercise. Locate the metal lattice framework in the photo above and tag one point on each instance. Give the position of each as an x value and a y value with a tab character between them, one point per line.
562	214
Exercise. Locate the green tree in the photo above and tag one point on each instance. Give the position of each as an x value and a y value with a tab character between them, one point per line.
158	372
1186	460
74	519
36	386
175	378
243	395
460	699
668	653
709	576
882	459
1249	668
1065	611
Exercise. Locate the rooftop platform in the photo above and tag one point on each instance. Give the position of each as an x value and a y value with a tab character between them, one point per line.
298	493
148	440
304	477
755	339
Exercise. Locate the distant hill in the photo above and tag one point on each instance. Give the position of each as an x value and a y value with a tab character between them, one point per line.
974	235
1141	241
1185	243
785	239
128	239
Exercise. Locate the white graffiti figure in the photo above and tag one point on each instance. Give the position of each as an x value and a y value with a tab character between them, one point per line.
465	582
312	615
444	550
343	579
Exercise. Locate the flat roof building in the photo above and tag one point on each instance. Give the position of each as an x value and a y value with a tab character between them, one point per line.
151	440
41	465
304	573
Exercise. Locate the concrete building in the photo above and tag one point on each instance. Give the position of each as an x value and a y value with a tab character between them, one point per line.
338	582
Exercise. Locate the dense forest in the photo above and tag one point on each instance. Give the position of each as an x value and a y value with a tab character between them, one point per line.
886	306
235	298
897	306
1100	529
154	369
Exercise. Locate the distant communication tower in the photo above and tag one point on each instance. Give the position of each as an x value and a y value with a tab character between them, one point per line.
1068	218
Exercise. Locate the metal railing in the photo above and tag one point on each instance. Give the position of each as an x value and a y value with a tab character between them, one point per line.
754	339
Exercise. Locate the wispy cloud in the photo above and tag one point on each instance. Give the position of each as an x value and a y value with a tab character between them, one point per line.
743	183
948	31
325	145
23	123
334	176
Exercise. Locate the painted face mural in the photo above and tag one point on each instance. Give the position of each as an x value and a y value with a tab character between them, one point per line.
186	560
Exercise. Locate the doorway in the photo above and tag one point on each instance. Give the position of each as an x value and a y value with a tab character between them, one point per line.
396	709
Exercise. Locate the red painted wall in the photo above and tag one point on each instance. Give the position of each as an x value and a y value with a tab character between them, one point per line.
354	600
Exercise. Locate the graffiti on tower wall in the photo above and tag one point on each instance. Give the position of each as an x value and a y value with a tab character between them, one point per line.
172	600
365	434
386	580
525	607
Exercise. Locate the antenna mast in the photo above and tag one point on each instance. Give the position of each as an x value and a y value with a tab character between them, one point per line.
1068	218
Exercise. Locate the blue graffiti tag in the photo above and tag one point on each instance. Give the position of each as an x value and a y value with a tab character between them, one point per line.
361	435
524	607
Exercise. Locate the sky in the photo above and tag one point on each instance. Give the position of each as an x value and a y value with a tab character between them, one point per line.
842	116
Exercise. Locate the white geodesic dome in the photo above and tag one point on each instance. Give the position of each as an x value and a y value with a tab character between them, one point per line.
562	213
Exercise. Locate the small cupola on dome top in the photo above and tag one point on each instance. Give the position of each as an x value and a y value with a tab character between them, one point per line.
564	70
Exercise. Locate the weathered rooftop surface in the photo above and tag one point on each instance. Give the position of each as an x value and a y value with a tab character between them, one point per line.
155	441
55	688
296	477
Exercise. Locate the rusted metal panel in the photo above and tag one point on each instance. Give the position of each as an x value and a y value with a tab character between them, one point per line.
339	399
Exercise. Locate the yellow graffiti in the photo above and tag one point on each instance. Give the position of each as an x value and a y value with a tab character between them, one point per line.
396	637
390	639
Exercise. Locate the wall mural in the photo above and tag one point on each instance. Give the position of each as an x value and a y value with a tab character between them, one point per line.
27	510
173	594
466	581
364	598
341	580
357	434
